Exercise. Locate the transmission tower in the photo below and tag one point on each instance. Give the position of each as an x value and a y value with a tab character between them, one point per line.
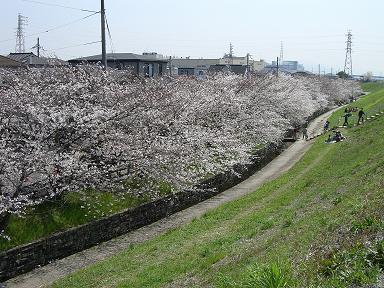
281	53
20	38
348	55
230	50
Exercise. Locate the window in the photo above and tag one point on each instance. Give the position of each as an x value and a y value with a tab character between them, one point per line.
148	69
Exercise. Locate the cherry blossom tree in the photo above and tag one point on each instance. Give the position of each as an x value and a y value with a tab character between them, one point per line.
69	128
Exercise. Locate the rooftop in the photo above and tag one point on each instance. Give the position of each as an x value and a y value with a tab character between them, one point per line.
32	59
122	56
8	62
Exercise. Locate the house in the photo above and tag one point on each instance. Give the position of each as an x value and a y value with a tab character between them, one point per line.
192	67
233	60
148	64
31	60
200	67
287	66
258	65
237	69
6	62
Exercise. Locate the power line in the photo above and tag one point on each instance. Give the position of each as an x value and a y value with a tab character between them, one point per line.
110	36
64	25
56	27
73	46
58	5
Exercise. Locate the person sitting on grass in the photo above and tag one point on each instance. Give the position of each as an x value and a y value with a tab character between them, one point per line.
338	136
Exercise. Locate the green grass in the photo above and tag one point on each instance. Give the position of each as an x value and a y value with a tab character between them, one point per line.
58	215
372	104
357	265
73	209
372	86
285	233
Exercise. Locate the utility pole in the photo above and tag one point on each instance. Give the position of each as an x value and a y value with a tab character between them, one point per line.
103	46
170	66
37	47
277	67
248	65
20	38
281	52
348	55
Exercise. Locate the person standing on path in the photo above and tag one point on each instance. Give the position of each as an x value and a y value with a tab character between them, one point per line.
361	116
326	125
305	133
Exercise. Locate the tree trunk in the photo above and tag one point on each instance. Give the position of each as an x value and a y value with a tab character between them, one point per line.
4	219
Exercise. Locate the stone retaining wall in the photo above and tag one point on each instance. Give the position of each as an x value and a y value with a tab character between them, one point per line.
25	258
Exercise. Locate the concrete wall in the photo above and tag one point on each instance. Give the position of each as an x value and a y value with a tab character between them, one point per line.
25	258
233	61
193	63
258	65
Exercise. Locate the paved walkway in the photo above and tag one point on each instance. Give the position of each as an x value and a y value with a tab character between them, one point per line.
45	276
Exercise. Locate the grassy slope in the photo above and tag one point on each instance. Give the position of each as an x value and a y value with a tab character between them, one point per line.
371	104
373	86
302	221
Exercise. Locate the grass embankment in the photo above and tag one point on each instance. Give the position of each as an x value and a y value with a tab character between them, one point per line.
372	86
315	226
372	105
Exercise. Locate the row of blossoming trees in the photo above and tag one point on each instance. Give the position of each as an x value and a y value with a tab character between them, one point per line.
66	129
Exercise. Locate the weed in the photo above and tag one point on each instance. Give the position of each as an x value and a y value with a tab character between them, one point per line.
287	223
357	265
369	223
274	275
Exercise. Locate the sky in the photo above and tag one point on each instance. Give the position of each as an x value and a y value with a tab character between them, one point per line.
313	32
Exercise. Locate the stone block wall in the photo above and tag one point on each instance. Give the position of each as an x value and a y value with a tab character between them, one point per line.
25	258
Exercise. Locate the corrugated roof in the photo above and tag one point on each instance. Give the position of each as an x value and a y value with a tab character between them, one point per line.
8	62
121	56
21	57
32	59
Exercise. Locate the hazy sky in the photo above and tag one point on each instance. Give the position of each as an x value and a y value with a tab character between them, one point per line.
312	31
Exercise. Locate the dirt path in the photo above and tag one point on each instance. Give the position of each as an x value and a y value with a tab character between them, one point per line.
45	276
